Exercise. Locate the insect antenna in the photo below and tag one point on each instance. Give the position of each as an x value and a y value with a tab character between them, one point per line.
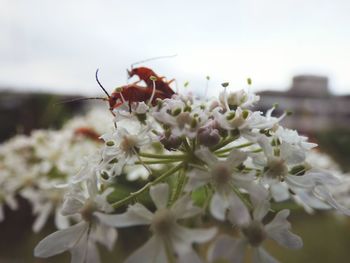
99	83
79	99
150	59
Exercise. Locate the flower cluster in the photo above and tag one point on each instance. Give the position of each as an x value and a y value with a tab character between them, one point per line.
201	161
32	166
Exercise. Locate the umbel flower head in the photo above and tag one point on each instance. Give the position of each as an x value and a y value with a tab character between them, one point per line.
200	160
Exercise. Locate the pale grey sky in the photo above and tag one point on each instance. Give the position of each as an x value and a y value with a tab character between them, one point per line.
57	45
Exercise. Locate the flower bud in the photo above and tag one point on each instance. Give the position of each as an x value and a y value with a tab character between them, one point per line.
214	105
170	142
208	136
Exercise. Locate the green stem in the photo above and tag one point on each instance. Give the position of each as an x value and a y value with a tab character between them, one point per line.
257	150
223	155
223	143
187	146
158	162
132	195
179	186
193	145
244	200
162	156
235	147
169	254
208	196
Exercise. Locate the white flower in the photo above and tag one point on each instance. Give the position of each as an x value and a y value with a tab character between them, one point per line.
310	181
254	233
135	172
223	177
7	196
121	148
138	110
341	192
80	238
183	119
292	137
232	119
168	235
45	199
276	166
240	98
248	123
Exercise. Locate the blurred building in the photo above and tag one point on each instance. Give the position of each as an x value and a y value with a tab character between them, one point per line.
314	108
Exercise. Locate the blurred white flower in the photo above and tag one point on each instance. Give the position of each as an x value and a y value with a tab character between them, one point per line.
45	200
168	235
84	201
223	177
254	233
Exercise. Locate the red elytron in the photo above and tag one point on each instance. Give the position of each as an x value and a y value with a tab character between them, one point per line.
145	74
134	93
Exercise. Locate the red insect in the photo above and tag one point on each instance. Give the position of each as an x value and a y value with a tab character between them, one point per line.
88	133
145	74
132	93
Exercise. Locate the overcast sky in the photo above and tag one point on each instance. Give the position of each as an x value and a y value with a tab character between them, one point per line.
57	45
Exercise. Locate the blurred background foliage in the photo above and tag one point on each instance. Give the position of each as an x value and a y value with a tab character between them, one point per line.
20	113
336	142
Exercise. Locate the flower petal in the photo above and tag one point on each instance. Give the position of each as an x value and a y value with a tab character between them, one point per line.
280	221
261	210
136	215
304	181
265	145
261	256
160	194
324	177
257	192
92	253
218	207
152	251
197	178
207	156
85	252
191	257
238	212
279	192
105	235
71	206
292	154
323	193
61	221
278	230
227	248
286	238
308	200
183	237
42	217
184	208
60	241
236	157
